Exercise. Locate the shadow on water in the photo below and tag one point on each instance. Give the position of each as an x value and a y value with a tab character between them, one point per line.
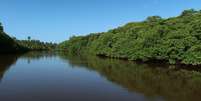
167	82
6	61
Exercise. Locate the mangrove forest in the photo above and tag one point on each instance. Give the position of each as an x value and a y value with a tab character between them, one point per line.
175	40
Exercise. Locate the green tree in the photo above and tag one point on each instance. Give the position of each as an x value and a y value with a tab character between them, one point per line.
188	12
174	40
29	38
154	19
1	27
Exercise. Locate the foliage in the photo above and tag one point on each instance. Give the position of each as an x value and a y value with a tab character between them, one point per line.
36	44
1	27
7	44
12	45
175	40
77	44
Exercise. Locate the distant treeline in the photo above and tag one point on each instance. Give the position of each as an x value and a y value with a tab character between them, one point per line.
12	45
175	40
36	44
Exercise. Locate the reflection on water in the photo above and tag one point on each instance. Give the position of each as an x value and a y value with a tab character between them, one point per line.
48	76
5	62
38	55
153	81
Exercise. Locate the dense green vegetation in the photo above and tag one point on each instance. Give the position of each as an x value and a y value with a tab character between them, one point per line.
12	45
37	45
175	40
8	45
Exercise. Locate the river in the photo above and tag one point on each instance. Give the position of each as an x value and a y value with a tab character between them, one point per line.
47	76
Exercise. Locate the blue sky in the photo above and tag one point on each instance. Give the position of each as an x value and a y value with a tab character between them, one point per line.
57	20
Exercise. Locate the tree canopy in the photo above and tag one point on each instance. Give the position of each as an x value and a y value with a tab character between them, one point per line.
12	45
1	27
175	40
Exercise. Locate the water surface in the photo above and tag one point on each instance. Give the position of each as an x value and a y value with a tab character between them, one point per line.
60	77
